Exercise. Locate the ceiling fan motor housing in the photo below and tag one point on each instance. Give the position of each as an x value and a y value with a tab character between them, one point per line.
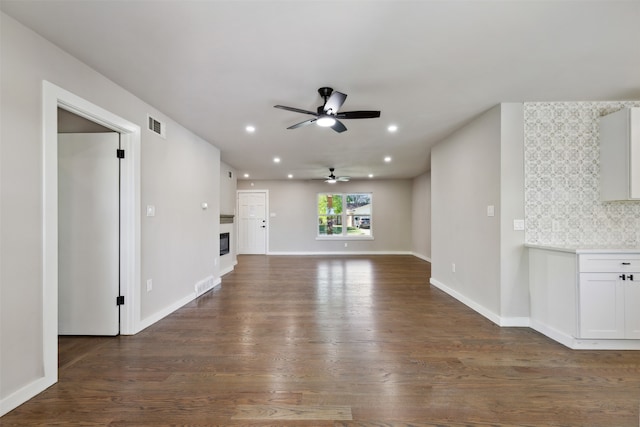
325	92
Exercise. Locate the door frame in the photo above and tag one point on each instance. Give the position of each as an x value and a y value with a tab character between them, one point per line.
266	214
54	97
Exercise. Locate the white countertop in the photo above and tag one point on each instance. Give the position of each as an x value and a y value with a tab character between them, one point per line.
586	249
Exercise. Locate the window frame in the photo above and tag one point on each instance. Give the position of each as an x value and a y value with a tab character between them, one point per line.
344	234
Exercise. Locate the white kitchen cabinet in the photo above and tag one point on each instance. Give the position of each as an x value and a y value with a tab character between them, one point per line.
586	298
608	292
601	306
620	155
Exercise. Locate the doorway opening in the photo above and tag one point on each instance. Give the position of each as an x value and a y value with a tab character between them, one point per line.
88	227
55	98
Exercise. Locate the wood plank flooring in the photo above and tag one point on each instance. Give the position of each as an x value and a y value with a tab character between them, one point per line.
333	341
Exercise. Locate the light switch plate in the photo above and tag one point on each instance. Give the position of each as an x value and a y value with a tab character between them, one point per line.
491	210
151	210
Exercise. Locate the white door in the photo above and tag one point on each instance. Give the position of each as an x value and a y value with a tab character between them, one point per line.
252	225
88	234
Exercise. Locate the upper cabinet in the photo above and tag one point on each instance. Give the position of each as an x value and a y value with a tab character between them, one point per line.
620	155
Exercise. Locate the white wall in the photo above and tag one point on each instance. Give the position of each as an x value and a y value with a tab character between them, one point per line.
514	264
421	216
178	245
294	227
478	166
228	187
465	179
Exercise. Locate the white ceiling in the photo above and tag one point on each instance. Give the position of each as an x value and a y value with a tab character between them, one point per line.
429	66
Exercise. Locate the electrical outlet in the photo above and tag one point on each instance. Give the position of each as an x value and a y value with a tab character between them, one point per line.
345	244
149	285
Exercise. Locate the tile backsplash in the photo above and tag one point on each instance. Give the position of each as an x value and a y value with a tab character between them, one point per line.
562	172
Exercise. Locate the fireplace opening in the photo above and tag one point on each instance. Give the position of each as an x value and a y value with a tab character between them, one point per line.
224	243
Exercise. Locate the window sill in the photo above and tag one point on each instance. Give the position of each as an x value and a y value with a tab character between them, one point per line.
344	238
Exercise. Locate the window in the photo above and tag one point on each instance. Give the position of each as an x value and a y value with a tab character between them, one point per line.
344	215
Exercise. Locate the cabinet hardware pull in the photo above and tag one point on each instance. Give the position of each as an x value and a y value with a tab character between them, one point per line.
622	276
631	277
626	263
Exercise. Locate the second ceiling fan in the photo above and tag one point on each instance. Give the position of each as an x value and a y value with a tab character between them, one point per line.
327	115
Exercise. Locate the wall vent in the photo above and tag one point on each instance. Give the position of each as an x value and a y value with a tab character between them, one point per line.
204	286
156	126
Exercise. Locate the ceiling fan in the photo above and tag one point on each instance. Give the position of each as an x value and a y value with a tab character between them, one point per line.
332	179
327	114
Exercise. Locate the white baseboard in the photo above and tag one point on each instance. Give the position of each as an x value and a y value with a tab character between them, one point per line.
515	322
302	253
159	315
19	397
145	323
227	270
422	257
466	301
556	335
583	344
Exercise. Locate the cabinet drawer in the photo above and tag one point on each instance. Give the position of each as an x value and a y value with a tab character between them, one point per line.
594	263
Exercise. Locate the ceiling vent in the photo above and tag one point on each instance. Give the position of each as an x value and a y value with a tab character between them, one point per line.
156	126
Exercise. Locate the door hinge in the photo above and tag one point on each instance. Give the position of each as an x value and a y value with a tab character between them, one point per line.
120	153
120	300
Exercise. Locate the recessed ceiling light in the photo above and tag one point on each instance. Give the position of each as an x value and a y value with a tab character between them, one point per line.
246	175
392	128
290	176
370	175
387	159
250	129
276	160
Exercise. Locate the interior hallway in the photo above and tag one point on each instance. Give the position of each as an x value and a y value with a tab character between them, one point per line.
333	341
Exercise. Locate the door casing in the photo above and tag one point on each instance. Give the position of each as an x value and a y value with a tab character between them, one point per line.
55	97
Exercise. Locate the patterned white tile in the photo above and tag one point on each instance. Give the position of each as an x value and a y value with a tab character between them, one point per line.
562	174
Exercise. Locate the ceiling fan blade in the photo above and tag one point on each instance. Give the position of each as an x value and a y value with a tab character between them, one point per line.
306	122
296	110
358	115
343	178
339	127
334	102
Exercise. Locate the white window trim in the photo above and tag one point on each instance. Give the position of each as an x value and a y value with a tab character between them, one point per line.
337	237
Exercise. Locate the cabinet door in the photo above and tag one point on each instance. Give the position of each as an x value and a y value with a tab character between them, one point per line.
632	307
601	312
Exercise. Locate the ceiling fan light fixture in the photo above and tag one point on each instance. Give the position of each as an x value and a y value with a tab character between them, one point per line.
326	121
331	181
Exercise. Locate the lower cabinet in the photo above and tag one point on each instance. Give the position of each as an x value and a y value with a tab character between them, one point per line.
609	302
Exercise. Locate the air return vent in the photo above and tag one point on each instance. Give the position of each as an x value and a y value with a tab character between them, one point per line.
156	126
204	285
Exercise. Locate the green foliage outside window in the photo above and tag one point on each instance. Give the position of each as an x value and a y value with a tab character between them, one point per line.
353	221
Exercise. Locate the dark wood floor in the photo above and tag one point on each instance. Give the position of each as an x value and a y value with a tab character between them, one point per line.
342	341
